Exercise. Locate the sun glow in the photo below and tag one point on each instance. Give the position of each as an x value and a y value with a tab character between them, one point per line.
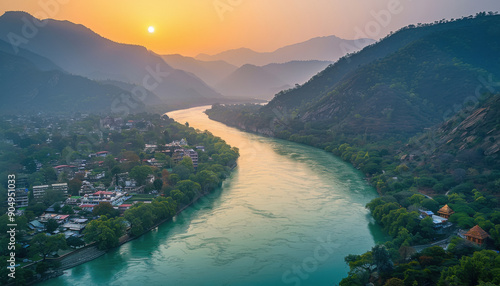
151	29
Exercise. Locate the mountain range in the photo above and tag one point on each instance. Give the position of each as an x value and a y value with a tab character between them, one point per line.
72	50
408	81
80	51
248	81
329	48
264	82
26	88
248	74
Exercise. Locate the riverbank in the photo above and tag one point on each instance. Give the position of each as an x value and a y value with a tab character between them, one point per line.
91	252
280	200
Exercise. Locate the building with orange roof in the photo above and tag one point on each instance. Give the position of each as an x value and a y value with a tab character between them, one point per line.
445	211
477	235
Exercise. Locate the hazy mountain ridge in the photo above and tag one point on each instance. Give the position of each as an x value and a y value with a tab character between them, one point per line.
297	72
81	51
401	85
251	81
422	79
223	76
264	82
78	50
326	80
40	62
26	89
329	48
210	72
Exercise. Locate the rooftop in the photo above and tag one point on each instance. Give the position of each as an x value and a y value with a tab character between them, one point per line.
102	193
446	210
477	232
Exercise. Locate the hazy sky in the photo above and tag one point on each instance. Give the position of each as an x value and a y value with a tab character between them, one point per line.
190	27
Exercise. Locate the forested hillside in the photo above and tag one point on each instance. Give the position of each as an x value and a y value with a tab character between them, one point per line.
422	122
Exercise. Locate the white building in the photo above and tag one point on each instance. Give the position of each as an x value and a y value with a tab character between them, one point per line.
39	192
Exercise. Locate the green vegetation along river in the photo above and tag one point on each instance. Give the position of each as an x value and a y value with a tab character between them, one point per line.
288	215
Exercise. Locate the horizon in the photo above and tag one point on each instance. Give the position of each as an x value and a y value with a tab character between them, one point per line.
219	24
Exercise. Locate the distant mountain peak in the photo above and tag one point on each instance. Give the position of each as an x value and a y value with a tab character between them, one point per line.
323	48
16	14
80	51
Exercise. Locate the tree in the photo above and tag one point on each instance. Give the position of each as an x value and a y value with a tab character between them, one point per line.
140	173
394	282
427	227
417	199
371	168
431	205
189	188
360	262
160	156
179	197
49	174
181	171
130	156
67	209
208	180
52	196
434	255
105	232
173	179
74	186
51	225
495	235
105	209
45	245
137	228
37	208
42	267
399	218
116	170
461	247
382	259
74	242
361	266
188	163
158	184
110	162
483	266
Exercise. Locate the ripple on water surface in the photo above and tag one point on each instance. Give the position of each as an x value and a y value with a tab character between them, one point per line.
282	202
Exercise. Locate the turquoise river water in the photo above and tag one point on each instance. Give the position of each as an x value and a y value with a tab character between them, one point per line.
288	215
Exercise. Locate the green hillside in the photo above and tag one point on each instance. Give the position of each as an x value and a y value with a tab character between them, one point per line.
407	82
27	89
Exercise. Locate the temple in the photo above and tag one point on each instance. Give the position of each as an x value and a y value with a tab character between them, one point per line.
477	235
445	211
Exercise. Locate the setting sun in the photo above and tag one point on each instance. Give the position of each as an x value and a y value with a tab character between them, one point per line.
151	29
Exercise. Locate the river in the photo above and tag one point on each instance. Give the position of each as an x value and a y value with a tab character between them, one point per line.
288	215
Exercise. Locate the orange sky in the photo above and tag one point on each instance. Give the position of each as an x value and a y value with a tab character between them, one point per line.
190	27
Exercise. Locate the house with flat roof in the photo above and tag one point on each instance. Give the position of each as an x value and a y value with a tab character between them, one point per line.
39	192
21	197
36	225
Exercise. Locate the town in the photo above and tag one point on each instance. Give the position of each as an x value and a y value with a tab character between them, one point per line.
79	177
